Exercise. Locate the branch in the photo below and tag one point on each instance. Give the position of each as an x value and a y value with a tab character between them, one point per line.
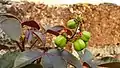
33	44
79	25
19	46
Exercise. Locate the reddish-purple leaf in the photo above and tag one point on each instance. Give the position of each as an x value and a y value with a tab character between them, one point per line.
54	30
71	59
87	57
91	64
53	59
33	66
111	65
29	35
27	57
31	23
69	32
109	62
41	36
85	65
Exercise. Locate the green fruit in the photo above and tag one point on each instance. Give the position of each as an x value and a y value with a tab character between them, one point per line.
85	36
79	45
86	44
60	41
71	24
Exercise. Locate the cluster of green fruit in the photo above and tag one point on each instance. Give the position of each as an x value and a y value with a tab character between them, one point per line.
82	42
79	44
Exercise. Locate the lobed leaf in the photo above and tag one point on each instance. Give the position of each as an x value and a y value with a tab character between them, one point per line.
53	59
33	66
109	62
12	28
111	65
68	32
27	57
45	61
7	60
2	18
31	23
71	59
87	57
8	15
54	30
41	36
91	64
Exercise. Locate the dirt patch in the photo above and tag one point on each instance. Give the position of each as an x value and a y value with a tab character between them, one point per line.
101	20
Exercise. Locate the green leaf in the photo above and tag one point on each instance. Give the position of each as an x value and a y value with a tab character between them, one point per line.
0	56
7	60
11	27
33	66
53	59
27	57
5	64
71	59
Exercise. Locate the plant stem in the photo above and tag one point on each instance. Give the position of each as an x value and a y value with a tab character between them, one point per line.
33	44
23	44
79	24
19	46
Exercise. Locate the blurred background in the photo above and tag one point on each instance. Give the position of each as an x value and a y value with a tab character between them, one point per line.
72	1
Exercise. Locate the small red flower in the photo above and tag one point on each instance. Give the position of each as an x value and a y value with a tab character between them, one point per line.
65	30
80	33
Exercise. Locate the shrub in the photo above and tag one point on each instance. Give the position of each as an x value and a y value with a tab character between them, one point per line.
45	57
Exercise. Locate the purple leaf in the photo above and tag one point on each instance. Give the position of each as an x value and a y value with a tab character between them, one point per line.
109	62
33	66
71	59
87	58
27	57
87	55
31	23
69	32
54	30
111	65
41	36
91	64
12	28
53	59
